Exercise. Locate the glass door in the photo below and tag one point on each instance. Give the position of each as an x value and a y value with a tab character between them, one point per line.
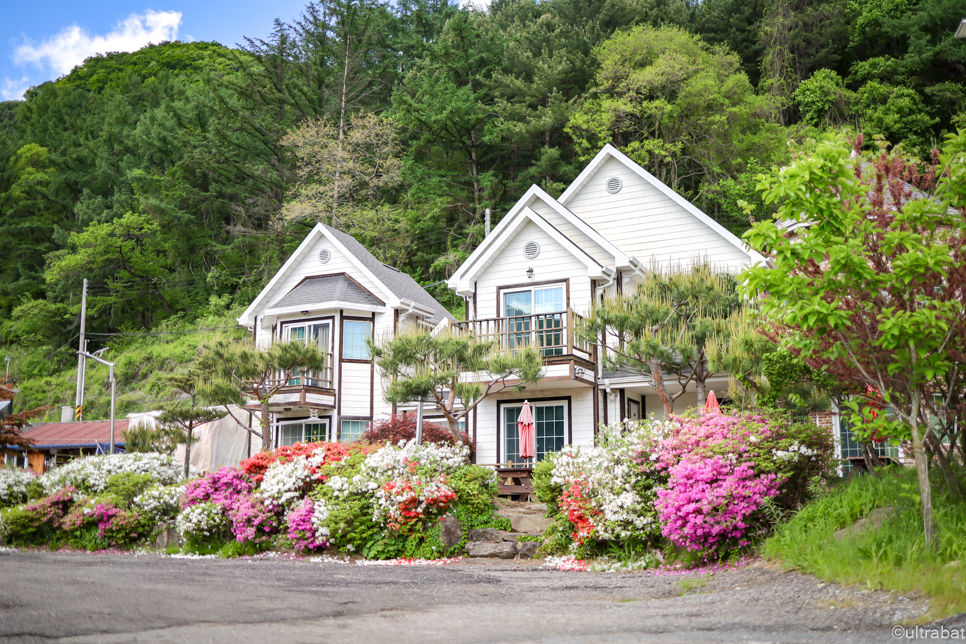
550	424
318	334
536	312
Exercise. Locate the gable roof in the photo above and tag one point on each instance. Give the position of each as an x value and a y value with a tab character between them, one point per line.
485	254
610	152
327	288
87	433
400	289
520	213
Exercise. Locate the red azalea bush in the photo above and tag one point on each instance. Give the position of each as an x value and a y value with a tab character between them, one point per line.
257	464
403	428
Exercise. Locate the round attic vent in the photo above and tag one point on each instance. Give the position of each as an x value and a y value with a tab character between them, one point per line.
614	185
531	249
325	256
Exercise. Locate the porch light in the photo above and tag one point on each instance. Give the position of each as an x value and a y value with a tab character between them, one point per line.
530	273
304	312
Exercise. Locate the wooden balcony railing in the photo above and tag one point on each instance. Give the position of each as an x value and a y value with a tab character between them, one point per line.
552	333
321	379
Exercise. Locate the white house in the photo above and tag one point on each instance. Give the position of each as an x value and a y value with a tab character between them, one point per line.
541	269
334	293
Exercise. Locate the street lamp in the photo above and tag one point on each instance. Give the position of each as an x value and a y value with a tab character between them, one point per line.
93	356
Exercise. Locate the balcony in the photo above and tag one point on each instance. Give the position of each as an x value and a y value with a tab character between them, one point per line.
308	390
552	333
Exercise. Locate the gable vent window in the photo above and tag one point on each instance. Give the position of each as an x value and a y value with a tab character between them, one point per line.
614	185
531	249
325	256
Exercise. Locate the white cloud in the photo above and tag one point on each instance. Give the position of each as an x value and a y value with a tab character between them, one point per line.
72	45
12	90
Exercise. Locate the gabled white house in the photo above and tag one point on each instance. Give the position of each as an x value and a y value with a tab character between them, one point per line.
332	292
542	268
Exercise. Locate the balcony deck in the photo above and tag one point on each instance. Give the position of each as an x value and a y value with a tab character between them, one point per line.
311	390
552	333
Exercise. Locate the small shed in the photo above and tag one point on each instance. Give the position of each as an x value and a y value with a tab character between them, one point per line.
57	443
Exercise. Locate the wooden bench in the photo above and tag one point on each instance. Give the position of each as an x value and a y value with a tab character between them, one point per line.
515	481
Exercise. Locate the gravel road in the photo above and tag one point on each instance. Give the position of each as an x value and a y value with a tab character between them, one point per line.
102	598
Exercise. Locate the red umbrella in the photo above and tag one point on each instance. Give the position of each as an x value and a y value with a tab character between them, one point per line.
711	405
528	435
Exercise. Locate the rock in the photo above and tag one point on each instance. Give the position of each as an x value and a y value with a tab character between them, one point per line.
451	532
167	538
486	535
526	549
502	550
875	519
529	523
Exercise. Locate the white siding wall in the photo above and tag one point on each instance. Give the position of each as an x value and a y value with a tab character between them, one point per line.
582	414
510	267
355	389
646	224
572	232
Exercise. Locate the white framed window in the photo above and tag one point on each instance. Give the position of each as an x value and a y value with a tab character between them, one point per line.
301	431
550	422
352	430
536	315
355	336
319	334
633	409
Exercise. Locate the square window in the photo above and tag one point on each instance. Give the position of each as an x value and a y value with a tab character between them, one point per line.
352	430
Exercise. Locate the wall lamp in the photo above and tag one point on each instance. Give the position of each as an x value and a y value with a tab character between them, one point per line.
530	273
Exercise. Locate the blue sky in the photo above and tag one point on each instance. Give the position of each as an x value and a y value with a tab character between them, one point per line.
41	40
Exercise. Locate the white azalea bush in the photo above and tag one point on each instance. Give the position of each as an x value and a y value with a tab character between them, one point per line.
16	485
91	474
202	521
162	502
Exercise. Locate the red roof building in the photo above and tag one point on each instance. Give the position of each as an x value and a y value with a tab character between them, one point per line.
76	435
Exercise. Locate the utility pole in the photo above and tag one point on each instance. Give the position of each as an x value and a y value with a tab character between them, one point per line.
81	358
419	423
6	376
84	354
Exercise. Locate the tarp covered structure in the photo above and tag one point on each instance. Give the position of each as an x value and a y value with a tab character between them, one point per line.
220	443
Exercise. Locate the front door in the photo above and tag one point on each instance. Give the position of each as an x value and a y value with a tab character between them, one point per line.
550	423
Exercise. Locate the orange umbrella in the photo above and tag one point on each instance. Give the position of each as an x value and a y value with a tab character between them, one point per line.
528	434
711	405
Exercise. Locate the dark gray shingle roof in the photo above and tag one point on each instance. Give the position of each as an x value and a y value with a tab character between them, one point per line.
401	284
331	288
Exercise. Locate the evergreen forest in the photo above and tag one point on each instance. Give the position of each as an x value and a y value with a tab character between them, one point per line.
178	178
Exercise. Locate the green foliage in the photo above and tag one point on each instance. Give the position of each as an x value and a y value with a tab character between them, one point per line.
127	485
542	484
823	100
893	557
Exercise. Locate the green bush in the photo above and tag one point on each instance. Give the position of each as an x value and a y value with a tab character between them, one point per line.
545	489
127	485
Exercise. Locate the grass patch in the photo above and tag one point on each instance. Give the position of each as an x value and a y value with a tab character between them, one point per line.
892	557
692	583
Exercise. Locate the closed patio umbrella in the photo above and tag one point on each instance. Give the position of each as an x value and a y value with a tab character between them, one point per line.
528	434
711	405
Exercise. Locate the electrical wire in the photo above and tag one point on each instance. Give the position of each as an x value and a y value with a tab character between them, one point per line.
76	335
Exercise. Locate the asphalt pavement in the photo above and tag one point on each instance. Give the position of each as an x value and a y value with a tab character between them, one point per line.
114	598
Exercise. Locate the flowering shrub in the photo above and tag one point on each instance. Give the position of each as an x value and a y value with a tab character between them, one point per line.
14	485
331	453
162	502
91	474
306	525
222	487
701	483
609	489
202	521
252	521
36	522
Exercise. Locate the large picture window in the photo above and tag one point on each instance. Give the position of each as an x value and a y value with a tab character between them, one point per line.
536	315
319	334
355	336
315	431
550	424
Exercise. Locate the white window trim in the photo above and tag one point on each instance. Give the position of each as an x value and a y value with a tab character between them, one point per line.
543	403
303	421
533	297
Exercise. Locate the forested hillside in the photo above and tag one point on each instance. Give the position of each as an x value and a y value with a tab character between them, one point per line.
176	179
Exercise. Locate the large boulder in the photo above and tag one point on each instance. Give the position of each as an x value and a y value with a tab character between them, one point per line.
451	532
492	535
872	522
529	523
502	550
526	549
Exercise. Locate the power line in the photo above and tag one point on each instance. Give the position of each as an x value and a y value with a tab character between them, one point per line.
62	346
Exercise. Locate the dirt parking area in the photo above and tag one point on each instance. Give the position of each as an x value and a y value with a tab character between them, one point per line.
110	598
